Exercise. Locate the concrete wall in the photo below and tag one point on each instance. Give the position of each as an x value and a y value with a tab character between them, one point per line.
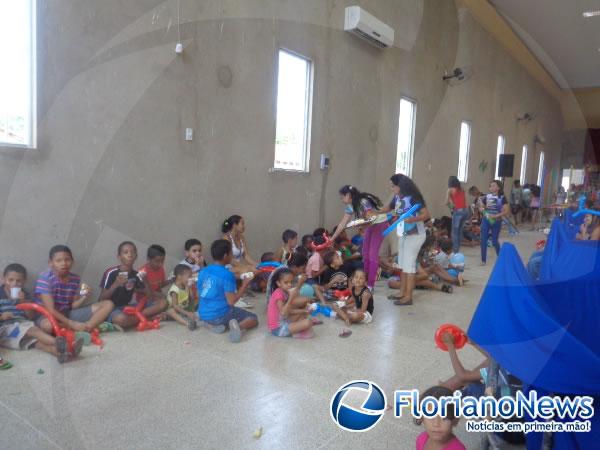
114	100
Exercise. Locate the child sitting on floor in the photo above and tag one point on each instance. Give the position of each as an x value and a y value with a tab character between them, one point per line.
335	276
306	248
181	305
153	272
425	271
290	242
444	269
438	430
195	261
17	331
348	251
218	294
287	313
315	266
193	256
59	291
119	283
358	308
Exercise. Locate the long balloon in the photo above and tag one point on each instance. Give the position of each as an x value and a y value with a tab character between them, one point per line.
402	218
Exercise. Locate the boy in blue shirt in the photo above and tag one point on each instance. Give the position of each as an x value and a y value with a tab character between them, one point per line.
218	294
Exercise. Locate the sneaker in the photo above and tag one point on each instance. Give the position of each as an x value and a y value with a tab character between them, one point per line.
235	334
243	304
191	324
61	347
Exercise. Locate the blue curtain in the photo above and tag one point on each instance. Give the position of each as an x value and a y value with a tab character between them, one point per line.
547	333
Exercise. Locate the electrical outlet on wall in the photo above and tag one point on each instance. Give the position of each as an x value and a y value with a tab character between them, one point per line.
189	134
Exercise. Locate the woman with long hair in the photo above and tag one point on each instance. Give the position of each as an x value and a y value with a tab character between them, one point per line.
455	196
411	233
233	229
364	205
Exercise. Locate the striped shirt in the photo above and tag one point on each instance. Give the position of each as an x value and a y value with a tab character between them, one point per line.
10	305
63	293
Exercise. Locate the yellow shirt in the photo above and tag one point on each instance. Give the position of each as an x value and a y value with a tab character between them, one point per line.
183	297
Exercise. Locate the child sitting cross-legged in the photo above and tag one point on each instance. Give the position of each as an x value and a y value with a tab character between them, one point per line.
17	331
335	276
60	292
287	314
119	283
218	294
181	305
358	308
444	269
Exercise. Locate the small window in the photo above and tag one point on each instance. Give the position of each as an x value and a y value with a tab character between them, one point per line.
17	76
499	152
406	137
540	178
524	164
463	151
294	104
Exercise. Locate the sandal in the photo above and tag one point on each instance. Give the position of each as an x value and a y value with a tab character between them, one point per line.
5	365
316	321
345	333
447	288
399	303
395	297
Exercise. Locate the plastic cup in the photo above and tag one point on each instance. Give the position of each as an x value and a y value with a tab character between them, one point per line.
14	292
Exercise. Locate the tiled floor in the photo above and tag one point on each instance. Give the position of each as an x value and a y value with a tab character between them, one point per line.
173	388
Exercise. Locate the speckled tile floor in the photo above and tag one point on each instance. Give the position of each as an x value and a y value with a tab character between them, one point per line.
173	388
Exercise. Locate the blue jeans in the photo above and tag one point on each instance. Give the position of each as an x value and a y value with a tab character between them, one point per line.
459	217
486	229
236	313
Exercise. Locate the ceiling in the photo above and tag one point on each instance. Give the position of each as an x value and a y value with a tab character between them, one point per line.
564	42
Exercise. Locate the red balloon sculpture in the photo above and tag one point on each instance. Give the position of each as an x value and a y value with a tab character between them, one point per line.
143	323
69	335
323	246
460	338
342	293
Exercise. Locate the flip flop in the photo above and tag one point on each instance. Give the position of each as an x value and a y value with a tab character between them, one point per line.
316	321
395	297
399	303
5	365
345	333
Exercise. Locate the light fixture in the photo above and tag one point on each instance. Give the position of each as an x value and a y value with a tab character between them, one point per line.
591	13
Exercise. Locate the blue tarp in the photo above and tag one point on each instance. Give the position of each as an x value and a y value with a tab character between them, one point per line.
547	333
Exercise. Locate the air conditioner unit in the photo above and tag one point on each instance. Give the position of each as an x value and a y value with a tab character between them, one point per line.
370	28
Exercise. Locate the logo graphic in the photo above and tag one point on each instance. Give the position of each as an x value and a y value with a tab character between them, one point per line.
360	419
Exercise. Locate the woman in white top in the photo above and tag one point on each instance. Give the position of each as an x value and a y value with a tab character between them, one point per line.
233	230
410	232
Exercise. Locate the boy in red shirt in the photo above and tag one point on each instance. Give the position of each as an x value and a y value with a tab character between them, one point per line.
153	272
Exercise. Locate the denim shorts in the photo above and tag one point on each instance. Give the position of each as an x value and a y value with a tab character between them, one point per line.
283	330
238	314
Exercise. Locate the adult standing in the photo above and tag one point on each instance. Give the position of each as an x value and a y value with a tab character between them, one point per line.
362	205
410	232
460	213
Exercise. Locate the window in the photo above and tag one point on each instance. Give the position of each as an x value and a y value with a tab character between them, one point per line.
540	178
406	137
499	151
524	164
572	176
463	151
17	77
294	104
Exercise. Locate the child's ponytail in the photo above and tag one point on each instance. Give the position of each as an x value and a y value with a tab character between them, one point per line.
357	196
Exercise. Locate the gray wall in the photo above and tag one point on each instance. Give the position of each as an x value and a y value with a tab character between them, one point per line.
114	100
